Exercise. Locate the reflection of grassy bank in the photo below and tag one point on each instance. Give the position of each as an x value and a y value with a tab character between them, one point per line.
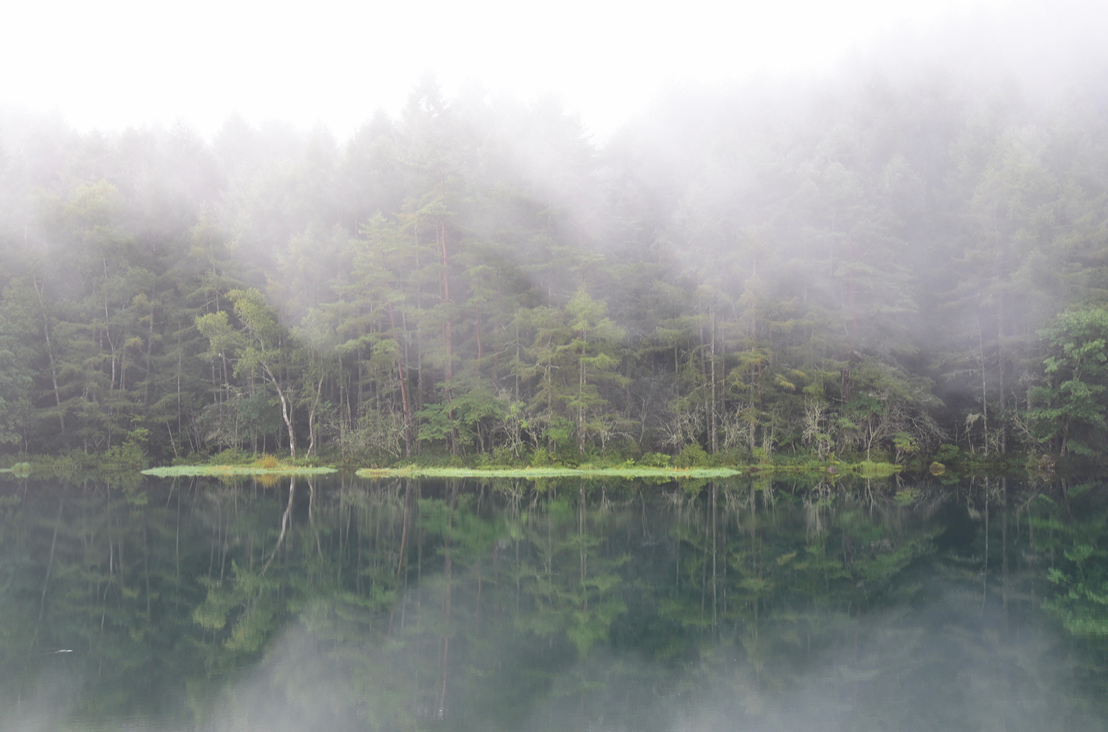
19	470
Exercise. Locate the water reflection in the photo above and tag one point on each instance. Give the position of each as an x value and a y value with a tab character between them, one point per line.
347	604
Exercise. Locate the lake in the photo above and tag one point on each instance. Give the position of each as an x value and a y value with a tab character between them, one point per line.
346	604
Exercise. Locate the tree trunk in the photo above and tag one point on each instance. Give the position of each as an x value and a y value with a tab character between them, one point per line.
712	431
403	393
312	450
286	410
984	387
50	353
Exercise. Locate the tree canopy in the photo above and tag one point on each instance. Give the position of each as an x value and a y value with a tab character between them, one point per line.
866	270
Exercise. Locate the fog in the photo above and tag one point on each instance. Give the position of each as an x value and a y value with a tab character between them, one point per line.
127	64
954	672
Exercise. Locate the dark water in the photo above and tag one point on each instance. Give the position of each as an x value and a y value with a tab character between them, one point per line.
355	605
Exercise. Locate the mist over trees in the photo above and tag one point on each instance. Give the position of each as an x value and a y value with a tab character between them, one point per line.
875	268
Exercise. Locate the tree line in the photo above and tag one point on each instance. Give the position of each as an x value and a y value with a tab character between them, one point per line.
875	269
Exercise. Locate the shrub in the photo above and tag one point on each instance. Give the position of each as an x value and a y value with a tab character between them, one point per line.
948	454
655	460
691	456
542	458
230	456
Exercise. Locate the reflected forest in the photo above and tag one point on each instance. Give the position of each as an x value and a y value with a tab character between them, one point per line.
295	604
901	268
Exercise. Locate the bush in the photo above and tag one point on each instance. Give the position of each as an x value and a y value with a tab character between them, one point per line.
729	457
948	454
691	456
504	455
655	460
230	456
127	456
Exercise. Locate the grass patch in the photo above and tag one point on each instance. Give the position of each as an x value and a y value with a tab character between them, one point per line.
221	471
547	472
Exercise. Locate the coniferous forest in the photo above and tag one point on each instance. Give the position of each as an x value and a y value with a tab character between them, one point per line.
897	268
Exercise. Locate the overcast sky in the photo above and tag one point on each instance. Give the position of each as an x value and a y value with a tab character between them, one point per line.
115	63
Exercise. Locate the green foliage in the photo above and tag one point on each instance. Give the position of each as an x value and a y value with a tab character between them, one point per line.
131	454
905	445
472	281
691	456
655	460
1069	411
948	454
16	362
230	456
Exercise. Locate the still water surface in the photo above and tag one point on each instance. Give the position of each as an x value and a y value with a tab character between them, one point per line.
343	604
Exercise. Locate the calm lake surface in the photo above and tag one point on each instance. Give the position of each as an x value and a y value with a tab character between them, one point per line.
347	604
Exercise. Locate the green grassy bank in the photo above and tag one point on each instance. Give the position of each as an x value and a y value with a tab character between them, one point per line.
221	471
416	471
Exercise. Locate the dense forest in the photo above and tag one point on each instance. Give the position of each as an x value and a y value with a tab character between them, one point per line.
901	266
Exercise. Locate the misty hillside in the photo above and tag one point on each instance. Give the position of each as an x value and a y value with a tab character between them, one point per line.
873	268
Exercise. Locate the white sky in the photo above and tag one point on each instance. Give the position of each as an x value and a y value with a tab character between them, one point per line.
114	63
